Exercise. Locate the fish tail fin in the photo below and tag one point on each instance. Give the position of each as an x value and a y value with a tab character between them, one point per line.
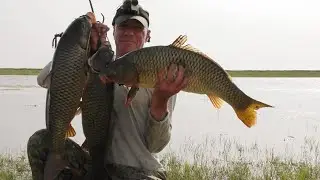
249	115
215	100
70	132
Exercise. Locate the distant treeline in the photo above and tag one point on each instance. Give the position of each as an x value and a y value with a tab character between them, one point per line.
233	73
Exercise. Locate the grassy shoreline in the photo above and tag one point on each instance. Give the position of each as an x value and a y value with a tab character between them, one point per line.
233	73
225	159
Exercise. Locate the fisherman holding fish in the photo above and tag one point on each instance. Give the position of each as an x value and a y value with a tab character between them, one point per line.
140	130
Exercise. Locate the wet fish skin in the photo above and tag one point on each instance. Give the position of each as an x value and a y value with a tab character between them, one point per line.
68	78
140	68
97	104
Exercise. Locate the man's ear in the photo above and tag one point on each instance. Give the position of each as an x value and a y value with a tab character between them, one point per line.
148	37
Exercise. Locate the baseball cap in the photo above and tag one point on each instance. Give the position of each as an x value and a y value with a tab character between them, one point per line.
126	12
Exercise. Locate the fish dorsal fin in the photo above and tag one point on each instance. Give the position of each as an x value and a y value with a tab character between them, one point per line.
182	39
193	49
179	42
188	47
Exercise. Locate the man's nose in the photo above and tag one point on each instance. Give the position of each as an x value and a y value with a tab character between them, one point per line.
128	32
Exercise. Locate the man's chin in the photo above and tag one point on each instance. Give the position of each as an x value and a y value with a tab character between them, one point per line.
128	46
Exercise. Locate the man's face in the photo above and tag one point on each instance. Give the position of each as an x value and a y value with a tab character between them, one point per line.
130	35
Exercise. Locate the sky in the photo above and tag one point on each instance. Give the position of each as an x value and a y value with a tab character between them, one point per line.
237	34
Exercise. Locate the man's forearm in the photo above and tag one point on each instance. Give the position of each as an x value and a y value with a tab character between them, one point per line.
159	108
159	128
158	132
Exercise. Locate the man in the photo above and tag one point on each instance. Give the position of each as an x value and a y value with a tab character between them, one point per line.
140	131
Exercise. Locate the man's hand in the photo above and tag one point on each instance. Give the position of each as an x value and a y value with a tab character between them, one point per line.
99	31
165	88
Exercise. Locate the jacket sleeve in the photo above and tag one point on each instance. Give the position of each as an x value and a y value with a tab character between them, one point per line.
43	78
159	132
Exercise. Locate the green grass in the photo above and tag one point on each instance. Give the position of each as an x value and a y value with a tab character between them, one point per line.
14	167
275	73
227	159
22	71
233	73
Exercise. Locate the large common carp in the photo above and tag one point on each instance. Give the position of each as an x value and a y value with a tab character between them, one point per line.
140	68
97	103
69	67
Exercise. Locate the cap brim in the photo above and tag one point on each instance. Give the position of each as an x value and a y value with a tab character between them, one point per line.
124	18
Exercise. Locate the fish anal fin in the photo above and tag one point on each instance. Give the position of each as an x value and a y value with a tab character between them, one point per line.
70	131
179	42
215	100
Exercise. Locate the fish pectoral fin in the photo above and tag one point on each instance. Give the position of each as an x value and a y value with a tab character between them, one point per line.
70	132
179	42
131	94
216	101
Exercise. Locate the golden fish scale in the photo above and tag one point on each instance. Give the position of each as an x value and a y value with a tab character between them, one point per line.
65	90
207	77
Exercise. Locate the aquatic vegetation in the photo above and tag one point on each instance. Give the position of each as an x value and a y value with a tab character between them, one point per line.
233	73
218	158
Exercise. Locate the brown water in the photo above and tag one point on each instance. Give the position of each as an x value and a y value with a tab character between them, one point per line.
295	116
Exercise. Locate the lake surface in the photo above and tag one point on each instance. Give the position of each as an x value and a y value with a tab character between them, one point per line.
195	121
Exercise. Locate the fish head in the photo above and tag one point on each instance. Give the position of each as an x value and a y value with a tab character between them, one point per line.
80	31
122	71
99	61
85	31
